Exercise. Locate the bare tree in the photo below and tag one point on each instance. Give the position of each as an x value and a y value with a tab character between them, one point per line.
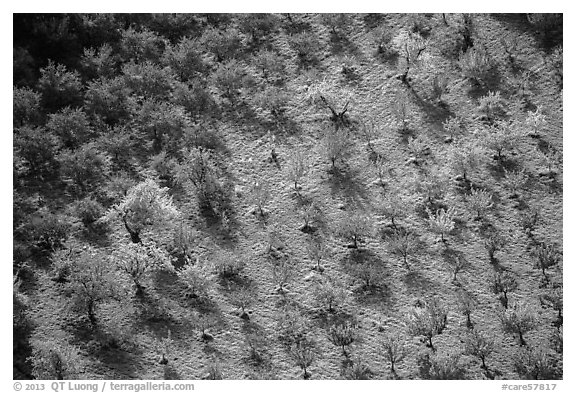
394	351
503	283
519	319
478	345
428	321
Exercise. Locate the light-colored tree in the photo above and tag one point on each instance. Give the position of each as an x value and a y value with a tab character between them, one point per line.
428	321
503	283
479	202
442	221
478	345
337	146
394	350
145	205
519	319
329	292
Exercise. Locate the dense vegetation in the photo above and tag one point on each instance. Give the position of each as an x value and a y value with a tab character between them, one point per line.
287	196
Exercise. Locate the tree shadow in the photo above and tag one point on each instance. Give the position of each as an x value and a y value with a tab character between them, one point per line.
347	184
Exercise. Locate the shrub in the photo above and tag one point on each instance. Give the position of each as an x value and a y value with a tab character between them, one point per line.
534	122
370	273
545	257
92	282
307	46
336	23
164	346
230	77
149	80
492	107
518	320
196	280
48	231
394	351
292	325
402	243
88	210
412	49
432	187
453	126
443	367
464	158
228	265
311	214
59	87
337	146
138	260
466	304
535	364
502	283
329	292
101	62
495	241
71	126
354	226
183	241
195	98
478	345
343	335
256	343
515	180
242	298
260	195
304	353
442	221
479	202
37	149
317	250
297	168
62	262
393	207
164	124
337	100
86	167
271	65
257	26
145	204
428	321
553	299
357	370
141	46
108	99
223	44
418	147
53	360
274	100
528	220
382	38
26	106
185	59
475	64
282	274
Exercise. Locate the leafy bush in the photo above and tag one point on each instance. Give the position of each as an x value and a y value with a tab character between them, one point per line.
495	241
476	65
535	364
164	124
357	370
428	321
466	304
86	167
148	79
439	86
464	158
53	360
478	345
515	180
196	280
59	87
442	221
282	274
545	257
108	100
88	210
492	107
223	44
329	292
502	283
554	299
37	149
354	226
71	126
382	37
145	204
228	265
394	351
519	319
337	23
343	335
307	46
230	77
99	63
274	100
271	65
441	366
141	46
185	59
47	231
260	195
26	106
479	202
257	26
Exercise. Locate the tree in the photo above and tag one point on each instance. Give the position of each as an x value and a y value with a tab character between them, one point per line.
495	241
354	226
491	107
141	45
100	62
275	100
402	243
439	87
317	250
329	292
37	149
311	214
271	65
442	221
87	167
535	364
138	260
297	168
515	181
145	204
53	360
304	352
453	126
457	263
109	99
553	299
475	64
260	195
394	351
257	26
444	366
534	122
343	335
185	58
393	207
307	46
228	265
428	321
337	23
26	106
410	53
337	146
59	87
282	274
196	280
479	202
478	345
92	282
164	124
149	80
502	283
545	257
466	304
500	138
242	298
199	170
518	320
528	220
230	77
223	44
401	110
337	100
464	158
370	273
